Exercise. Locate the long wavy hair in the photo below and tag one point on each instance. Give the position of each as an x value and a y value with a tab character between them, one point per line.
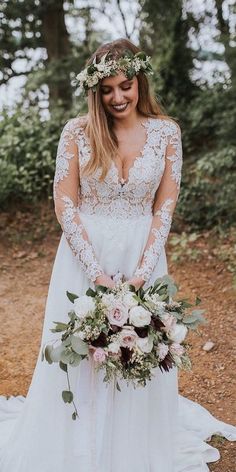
99	124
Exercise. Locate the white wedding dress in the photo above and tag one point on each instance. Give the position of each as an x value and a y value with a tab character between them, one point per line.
111	226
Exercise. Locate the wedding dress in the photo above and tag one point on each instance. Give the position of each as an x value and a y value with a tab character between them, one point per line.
112	226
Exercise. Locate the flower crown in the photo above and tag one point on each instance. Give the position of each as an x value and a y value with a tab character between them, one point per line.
130	64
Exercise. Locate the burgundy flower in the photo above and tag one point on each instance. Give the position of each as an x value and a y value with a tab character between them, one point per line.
101	341
142	332
126	354
156	323
167	363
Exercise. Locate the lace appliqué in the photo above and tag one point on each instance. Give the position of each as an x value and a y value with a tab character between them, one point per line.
65	184
176	158
63	156
152	254
81	247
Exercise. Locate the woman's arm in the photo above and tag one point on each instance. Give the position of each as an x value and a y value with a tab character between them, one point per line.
163	208
66	199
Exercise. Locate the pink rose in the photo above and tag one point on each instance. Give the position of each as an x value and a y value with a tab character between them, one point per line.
118	314
177	349
162	351
128	337
99	355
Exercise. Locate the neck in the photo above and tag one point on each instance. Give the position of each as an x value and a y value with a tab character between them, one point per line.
127	122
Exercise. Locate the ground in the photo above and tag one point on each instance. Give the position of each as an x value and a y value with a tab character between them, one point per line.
28	245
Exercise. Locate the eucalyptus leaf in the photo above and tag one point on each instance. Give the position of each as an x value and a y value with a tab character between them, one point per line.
101	288
63	366
72	315
60	327
91	293
118	387
56	352
67	396
72	296
47	353
79	346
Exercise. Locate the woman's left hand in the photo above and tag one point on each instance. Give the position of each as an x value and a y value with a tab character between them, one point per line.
137	282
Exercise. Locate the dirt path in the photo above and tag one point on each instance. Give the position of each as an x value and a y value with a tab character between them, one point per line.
27	254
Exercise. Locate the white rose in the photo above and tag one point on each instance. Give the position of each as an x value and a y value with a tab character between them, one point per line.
129	300
169	321
178	333
162	351
128	337
113	348
109	300
84	306
138	316
145	344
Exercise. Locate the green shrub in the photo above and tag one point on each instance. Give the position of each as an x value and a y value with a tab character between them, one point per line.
208	190
28	147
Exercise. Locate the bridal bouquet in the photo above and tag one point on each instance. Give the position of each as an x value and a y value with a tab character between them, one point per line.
127	332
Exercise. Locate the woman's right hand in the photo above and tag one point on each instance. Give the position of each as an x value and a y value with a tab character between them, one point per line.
105	280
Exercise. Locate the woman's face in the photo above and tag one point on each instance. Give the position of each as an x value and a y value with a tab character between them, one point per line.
119	95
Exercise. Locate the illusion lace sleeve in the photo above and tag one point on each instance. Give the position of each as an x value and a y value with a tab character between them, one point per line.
163	207
66	190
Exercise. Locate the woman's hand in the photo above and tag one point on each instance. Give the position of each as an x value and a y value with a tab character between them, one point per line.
105	280
137	282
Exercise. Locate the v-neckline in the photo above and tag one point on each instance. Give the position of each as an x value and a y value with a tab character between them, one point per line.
121	180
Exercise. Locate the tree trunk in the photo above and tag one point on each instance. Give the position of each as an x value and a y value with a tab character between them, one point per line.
58	46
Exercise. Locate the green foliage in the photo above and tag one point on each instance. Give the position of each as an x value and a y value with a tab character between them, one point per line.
182	247
27	155
208	190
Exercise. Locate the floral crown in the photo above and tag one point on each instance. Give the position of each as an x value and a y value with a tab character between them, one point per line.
130	64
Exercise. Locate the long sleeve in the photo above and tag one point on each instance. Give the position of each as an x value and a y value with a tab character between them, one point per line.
164	204
66	190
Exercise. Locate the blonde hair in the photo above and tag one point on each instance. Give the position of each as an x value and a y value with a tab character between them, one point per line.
99	125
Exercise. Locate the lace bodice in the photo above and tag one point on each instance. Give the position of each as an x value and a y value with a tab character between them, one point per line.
152	188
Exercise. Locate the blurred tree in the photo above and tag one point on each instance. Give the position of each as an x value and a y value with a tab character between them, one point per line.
27	26
164	34
228	34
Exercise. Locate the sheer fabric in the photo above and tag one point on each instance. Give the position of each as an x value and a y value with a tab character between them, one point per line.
67	199
164	203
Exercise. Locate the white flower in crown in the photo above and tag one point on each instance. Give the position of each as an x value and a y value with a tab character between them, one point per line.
130	65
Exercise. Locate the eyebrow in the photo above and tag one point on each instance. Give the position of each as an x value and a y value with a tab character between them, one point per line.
124	81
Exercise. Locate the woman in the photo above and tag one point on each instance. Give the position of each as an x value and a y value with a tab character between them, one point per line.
116	185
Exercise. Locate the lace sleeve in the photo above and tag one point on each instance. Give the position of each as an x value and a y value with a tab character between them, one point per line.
66	200
164	205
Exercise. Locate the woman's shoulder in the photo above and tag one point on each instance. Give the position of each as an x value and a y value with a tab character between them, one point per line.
167	124
75	125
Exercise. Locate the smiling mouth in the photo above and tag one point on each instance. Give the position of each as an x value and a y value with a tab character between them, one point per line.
120	107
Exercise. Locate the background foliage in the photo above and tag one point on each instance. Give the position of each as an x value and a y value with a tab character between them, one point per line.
39	35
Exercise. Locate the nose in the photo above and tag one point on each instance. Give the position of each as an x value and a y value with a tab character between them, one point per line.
117	96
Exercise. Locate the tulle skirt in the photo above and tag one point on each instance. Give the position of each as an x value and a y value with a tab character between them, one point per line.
151	429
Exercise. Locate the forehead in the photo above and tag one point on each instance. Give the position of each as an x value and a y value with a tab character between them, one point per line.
115	80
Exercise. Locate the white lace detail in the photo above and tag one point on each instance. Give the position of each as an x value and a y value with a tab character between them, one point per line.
176	158
164	204
153	182
63	156
66	198
152	254
80	246
135	197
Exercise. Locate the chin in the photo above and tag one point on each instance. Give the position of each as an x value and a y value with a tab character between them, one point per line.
123	114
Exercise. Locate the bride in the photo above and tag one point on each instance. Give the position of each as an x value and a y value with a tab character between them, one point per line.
116	185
